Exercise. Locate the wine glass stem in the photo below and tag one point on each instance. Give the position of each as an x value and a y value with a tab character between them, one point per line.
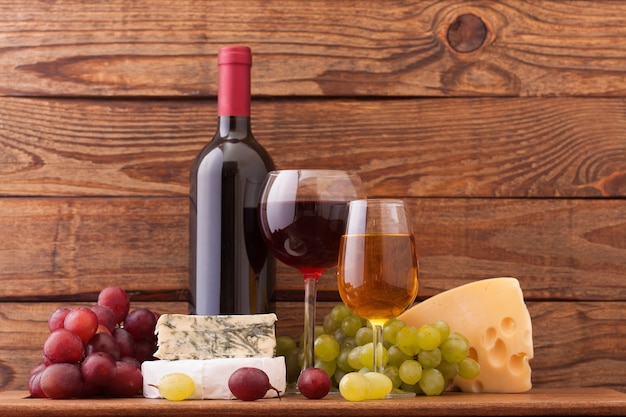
377	343
310	300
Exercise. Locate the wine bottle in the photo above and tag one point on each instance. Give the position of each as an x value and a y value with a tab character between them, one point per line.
230	269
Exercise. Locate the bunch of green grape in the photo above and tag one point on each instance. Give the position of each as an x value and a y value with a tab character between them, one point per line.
423	360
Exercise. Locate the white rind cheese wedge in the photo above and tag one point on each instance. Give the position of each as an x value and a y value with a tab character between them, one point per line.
492	314
210	377
181	336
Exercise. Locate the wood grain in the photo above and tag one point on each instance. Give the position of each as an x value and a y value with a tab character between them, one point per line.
160	48
491	147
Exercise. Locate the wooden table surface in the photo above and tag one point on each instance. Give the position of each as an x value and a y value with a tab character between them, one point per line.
566	401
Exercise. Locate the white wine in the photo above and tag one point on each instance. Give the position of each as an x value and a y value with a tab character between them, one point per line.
377	274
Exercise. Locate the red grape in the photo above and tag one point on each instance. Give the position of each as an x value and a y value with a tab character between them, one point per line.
314	383
249	384
61	380
117	300
132	360
98	369
81	321
106	316
144	349
125	341
140	323
128	380
103	342
55	321
63	346
34	385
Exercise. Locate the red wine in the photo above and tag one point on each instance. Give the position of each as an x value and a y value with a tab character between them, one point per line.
225	277
304	234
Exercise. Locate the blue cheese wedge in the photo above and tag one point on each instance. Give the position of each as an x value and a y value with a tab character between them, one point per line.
181	336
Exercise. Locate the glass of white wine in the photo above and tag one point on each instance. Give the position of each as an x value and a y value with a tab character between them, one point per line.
377	271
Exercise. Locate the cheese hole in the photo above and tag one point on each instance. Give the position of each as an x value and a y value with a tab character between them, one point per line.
472	353
491	334
517	363
508	325
497	354
476	386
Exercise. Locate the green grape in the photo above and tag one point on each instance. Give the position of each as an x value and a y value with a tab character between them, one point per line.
326	347
366	356
342	360
411	388
429	358
391	328
354	386
428	337
340	312
327	366
176	386
329	325
293	365
354	358
454	349
406	340
284	344
380	385
443	327
469	368
393	374
459	336
348	342
448	370
397	356
351	324
432	382
339	374
410	372
339	334
363	335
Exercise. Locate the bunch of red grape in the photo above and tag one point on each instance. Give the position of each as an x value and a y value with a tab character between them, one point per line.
97	350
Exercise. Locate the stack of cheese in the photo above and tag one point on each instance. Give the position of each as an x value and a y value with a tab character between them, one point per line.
492	314
210	348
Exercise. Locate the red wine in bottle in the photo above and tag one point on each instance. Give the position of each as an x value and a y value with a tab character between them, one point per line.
230	270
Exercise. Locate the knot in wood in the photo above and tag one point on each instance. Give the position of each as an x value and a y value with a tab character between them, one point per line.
467	33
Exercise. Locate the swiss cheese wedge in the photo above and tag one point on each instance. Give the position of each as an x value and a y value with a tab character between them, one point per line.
492	314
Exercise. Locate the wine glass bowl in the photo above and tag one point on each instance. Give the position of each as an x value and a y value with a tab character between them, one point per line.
302	216
377	271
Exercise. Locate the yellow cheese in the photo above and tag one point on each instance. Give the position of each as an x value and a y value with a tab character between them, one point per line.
492	314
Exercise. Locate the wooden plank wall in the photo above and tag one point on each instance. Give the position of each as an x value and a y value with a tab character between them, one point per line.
505	131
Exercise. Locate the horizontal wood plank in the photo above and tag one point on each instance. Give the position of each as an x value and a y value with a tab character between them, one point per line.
164	48
567	249
491	147
586	330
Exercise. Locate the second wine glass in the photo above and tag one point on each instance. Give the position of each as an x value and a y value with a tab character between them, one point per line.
302	216
377	272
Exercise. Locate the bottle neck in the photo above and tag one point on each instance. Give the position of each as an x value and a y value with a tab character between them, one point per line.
234	127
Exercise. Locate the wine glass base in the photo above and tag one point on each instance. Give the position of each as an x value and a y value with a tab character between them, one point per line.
398	393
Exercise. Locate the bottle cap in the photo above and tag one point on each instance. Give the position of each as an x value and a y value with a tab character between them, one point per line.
234	54
233	89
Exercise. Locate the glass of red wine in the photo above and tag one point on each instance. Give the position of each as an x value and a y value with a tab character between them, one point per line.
302	216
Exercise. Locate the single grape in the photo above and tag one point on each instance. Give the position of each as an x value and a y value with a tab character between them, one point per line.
144	349
329	324
103	342
284	344
327	366
432	382
293	365
128	380
339	312
249	384
125	342
354	358
106	316
140	323
351	324
363	336
380	385
98	369
342	360
63	346
406	340
56	319
443	327
428	337
34	385
326	348
176	386
61	381
117	300
454	349
366	356
469	368
396	356
131	360
354	386
393	374
429	358
448	369
81	321
314	383
410	372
